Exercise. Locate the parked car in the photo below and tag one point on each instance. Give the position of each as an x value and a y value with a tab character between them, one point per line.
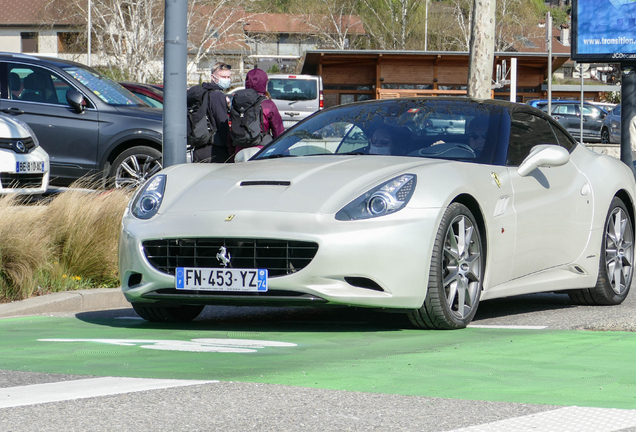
611	129
605	106
568	114
24	165
444	221
295	96
152	94
86	122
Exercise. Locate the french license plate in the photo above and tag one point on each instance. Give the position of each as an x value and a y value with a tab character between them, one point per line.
29	167
221	279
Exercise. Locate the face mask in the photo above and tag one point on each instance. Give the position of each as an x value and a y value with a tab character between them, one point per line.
382	150
224	83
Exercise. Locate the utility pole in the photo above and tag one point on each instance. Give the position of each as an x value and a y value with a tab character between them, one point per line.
482	49
548	41
175	58
89	32
426	28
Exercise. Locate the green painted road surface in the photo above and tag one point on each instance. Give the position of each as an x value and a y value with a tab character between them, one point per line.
593	369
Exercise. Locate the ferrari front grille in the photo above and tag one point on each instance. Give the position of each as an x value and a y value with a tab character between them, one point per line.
19	181
279	257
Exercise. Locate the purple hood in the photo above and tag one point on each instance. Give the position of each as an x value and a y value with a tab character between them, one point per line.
257	79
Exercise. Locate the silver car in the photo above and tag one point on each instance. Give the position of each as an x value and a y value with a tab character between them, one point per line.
295	96
611	130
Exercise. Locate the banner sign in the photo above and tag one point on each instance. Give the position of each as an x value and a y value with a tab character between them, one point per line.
604	31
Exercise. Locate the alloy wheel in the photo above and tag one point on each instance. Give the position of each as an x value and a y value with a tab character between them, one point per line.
462	266
619	251
135	170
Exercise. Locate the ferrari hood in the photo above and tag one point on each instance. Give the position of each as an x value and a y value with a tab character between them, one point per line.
316	184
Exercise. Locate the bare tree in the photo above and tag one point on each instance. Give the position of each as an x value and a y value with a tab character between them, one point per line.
391	23
515	19
214	26
462	11
334	22
128	35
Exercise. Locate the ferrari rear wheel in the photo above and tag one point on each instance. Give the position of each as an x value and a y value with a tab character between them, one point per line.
167	314
456	273
616	263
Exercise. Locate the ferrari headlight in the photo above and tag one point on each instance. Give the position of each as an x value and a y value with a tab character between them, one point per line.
385	199
148	200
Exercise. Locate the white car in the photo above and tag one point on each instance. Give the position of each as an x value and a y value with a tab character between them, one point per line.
446	218
24	165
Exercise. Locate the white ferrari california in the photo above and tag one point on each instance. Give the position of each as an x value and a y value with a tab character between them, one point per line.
424	206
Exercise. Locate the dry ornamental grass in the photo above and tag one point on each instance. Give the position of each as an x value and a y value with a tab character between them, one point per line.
69	242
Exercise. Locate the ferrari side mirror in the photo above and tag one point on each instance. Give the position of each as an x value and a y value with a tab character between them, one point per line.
246	154
543	155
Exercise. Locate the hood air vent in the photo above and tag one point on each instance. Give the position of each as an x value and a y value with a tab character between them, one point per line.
266	183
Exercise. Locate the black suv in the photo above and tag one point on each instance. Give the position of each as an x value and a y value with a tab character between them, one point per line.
568	113
87	123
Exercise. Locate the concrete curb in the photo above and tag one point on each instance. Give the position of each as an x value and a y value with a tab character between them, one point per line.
67	302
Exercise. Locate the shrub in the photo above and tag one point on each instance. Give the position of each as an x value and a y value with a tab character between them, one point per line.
69	242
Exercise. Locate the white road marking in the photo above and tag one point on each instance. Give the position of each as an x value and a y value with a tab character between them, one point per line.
569	419
514	327
194	345
86	388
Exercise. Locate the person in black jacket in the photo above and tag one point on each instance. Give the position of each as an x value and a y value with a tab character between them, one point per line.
217	151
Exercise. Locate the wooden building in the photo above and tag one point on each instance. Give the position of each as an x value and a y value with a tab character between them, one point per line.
351	75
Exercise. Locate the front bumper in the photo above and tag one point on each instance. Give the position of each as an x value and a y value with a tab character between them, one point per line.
14	182
392	251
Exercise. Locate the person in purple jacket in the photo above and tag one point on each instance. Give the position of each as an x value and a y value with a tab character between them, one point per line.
272	122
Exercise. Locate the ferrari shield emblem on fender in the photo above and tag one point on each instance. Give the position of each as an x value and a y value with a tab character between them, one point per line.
496	177
229	218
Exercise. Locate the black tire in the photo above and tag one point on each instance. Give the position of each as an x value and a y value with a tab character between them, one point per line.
605	136
615	263
167	314
456	274
134	167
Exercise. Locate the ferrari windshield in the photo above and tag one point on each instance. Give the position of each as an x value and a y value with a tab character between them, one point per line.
445	129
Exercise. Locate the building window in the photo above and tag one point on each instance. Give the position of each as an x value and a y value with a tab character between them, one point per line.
347	98
29	42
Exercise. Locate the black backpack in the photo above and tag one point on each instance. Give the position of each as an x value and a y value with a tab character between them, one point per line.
200	129
246	117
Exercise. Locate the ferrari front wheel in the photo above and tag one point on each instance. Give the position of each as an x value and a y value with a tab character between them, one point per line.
456	273
616	263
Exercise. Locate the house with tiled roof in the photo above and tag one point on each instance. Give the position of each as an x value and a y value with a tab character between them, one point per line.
22	29
29	26
284	38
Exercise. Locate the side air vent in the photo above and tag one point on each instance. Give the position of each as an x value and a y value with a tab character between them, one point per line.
363	282
266	183
134	279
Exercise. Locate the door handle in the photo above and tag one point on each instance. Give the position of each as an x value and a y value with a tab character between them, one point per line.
12	110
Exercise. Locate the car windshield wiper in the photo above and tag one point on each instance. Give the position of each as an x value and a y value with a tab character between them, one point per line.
352	153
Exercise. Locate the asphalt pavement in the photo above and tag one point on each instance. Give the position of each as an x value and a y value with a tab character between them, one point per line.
234	405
